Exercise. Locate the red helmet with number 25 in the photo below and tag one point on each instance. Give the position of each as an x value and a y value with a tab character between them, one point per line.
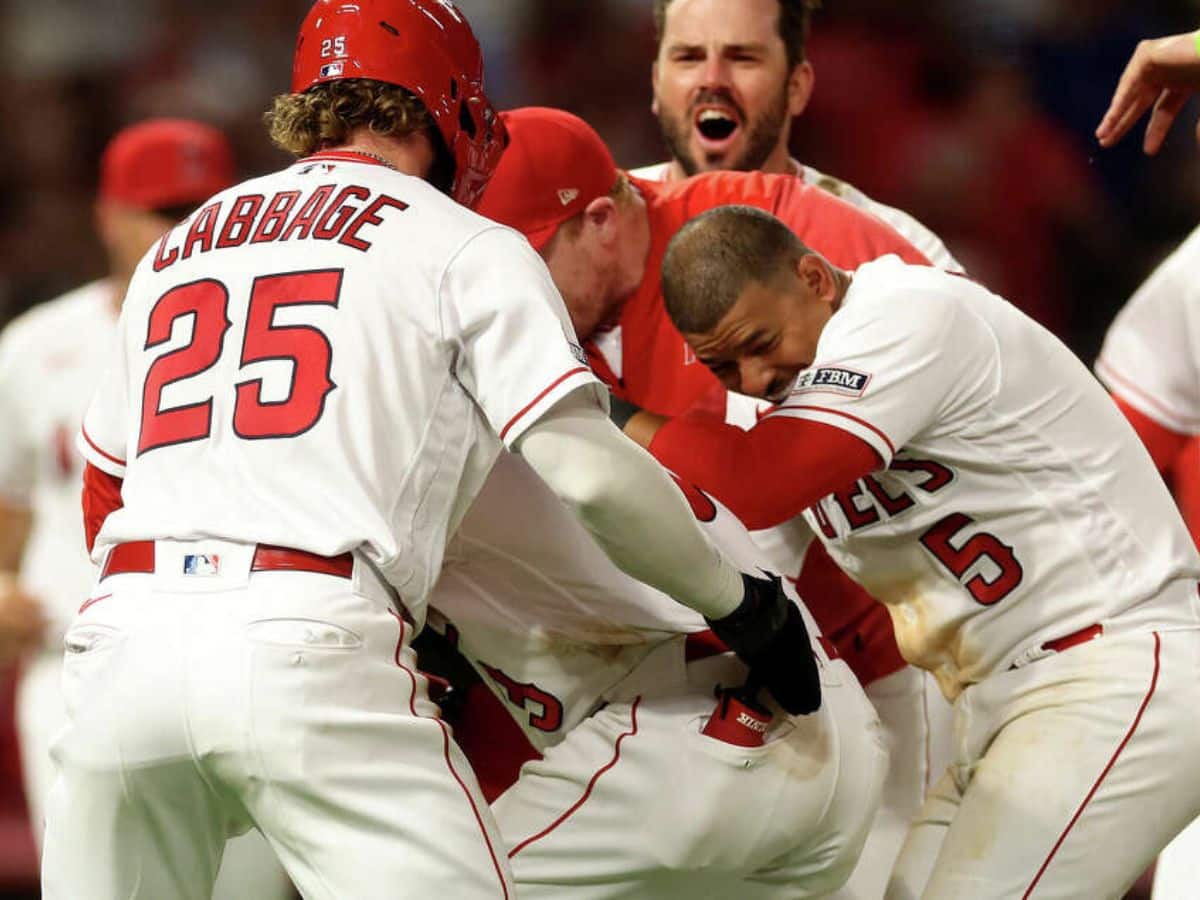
424	46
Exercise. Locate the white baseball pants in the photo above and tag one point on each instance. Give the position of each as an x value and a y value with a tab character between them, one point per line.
1071	774
918	731
637	803
200	706
248	868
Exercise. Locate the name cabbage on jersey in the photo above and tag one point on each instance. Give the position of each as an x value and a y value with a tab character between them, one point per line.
315	214
832	379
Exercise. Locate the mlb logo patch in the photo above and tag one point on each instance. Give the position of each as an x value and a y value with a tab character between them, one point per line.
333	69
832	379
201	564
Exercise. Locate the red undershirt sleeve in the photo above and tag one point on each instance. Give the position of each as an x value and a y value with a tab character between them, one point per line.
101	496
766	475
1163	443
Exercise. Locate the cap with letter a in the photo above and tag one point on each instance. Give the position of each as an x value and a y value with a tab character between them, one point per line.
163	163
555	165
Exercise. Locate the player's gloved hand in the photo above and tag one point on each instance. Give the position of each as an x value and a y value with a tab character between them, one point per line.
768	633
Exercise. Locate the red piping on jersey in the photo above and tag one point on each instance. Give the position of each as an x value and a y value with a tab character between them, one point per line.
92	601
1129	734
344	156
412	705
96	447
845	415
538	399
1132	388
633	727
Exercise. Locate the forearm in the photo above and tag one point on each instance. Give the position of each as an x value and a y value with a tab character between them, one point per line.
628	503
766	475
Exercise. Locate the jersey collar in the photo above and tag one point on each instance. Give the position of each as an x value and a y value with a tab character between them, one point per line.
345	156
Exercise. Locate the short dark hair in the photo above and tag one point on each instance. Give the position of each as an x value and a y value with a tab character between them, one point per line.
794	24
713	257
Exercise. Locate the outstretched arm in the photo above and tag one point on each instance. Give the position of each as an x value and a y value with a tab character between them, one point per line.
1162	73
636	514
766	475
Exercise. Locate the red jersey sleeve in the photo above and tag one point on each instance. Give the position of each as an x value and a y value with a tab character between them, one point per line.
1164	444
101	496
768	474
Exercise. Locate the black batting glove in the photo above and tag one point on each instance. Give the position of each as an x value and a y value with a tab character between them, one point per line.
767	632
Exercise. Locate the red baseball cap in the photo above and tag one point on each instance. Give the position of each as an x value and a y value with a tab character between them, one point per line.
555	165
162	163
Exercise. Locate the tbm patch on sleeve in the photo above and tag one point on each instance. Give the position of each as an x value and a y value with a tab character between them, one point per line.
833	380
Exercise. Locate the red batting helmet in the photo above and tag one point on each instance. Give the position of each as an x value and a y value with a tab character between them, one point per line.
424	46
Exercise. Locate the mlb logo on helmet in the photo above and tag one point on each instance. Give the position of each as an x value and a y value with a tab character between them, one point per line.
333	69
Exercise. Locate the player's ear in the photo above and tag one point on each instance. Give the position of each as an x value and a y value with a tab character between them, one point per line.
817	277
654	88
601	215
800	87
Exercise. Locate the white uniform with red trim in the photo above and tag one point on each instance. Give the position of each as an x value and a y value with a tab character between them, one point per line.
1151	354
631	798
50	359
1017	509
1151	360
321	360
915	717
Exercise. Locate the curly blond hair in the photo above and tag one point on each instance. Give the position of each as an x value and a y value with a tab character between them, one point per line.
325	114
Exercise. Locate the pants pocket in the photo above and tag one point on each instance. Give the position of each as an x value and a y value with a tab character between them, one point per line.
306	633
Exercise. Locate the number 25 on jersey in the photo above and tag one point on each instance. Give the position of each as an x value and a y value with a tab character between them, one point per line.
305	346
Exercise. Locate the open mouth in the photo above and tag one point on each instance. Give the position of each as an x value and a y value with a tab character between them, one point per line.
716	125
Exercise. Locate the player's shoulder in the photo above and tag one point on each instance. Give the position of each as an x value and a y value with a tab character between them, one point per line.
656	172
892	288
722	188
1185	259
60	316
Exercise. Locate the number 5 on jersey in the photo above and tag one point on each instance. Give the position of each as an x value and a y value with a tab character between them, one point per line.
305	346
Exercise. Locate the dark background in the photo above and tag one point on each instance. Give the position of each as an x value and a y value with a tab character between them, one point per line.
974	115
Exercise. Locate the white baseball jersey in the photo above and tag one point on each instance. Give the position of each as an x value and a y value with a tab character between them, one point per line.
543	613
1015	505
1151	355
323	359
917	234
50	360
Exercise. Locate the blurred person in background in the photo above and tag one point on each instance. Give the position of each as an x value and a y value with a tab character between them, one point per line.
152	174
729	79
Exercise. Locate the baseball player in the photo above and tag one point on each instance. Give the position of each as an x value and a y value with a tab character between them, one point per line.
1029	553
151	175
1148	362
649	787
729	79
604	247
315	371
